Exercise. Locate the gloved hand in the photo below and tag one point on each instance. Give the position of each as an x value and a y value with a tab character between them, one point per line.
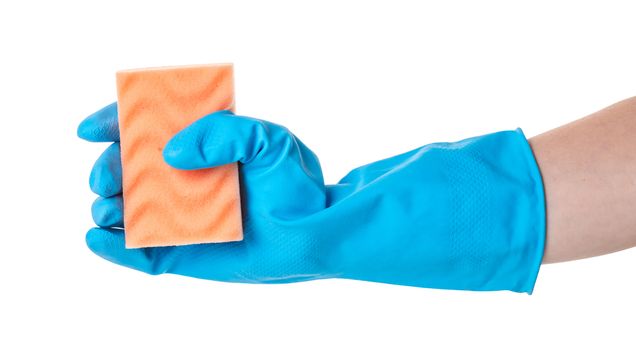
464	215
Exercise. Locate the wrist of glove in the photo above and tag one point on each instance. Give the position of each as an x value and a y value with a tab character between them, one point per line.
463	215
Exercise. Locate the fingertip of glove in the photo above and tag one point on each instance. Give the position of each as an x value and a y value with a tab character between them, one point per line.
183	151
102	241
187	150
108	212
85	130
173	154
103	182
101	126
92	238
99	212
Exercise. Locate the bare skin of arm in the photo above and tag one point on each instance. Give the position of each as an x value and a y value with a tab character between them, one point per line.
589	174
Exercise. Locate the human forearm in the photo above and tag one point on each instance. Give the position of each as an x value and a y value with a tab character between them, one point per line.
589	173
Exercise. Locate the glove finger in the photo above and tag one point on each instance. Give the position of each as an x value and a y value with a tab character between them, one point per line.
101	126
276	166
108	212
222	138
105	178
110	245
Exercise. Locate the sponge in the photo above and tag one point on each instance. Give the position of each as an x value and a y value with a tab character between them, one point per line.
164	206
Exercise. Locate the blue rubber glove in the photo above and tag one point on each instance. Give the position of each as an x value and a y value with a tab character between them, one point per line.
464	215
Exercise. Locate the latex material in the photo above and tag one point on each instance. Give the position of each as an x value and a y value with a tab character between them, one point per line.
462	215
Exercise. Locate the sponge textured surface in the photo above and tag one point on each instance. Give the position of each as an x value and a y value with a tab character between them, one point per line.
164	206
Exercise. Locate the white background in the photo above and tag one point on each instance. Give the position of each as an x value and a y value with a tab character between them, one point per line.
357	81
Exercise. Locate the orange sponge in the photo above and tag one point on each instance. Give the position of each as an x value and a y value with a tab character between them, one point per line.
164	206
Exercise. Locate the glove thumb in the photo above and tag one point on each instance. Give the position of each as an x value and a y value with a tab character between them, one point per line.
276	165
216	139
